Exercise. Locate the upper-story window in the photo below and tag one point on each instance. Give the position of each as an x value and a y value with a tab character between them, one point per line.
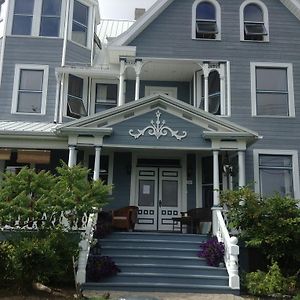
75	101
30	89
80	23
272	90
206	20
23	16
50	18
254	21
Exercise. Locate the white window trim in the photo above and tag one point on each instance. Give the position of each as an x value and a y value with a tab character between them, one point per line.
84	98
265	15
18	69
295	164
36	20
90	34
93	92
218	19
172	90
289	67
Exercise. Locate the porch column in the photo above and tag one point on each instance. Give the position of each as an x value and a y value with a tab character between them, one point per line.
137	86
97	163
222	90
72	156
121	83
242	176
216	182
206	104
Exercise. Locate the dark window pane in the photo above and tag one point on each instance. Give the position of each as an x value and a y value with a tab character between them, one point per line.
76	107
24	7
169	193
275	161
50	26
29	102
79	34
206	27
75	86
31	80
271	79
214	93
273	180
22	25
106	92
253	13
146	192
51	7
206	11
272	104
255	29
80	13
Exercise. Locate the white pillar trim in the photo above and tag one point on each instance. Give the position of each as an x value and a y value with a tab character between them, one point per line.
216	180
72	156
242	169
97	163
121	99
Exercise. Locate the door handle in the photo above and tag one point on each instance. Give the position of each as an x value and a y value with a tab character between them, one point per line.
159	203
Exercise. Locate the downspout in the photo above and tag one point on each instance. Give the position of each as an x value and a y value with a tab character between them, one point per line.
63	61
58	77
93	32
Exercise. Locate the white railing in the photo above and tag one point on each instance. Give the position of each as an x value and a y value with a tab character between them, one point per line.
76	225
84	247
231	248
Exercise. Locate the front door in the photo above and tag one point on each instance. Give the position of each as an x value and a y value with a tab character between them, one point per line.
158	198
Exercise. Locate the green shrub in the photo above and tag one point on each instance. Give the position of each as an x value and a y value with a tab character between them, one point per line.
7	265
267	284
297	297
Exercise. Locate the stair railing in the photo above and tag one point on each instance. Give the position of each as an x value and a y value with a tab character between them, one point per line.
84	247
231	248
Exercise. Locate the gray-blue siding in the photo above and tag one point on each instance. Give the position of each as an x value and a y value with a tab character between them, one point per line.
77	55
169	36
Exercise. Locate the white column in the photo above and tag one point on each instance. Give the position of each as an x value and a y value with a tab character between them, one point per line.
137	86
206	105
121	90
242	175
216	178
222	90
97	163
58	85
72	156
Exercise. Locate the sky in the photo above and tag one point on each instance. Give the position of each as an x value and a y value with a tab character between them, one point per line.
122	9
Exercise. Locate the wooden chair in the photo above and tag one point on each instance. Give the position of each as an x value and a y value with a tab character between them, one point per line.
125	218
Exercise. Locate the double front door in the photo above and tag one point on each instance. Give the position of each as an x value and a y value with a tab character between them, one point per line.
158	196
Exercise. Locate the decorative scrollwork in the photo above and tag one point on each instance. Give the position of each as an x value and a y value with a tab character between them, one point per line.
158	129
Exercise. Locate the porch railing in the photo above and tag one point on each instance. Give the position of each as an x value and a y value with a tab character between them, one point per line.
231	248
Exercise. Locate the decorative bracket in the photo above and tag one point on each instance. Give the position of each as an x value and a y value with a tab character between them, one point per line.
158	129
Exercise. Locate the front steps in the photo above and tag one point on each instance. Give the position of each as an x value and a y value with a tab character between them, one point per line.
159	262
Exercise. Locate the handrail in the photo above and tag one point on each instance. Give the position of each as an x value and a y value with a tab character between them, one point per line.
231	248
85	246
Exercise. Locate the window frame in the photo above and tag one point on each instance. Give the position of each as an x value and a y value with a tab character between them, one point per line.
15	96
295	167
36	20
217	6
290	85
263	7
90	34
93	93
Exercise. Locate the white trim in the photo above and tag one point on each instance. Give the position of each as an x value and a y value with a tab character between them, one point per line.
5	21
228	86
217	6
199	188
265	16
290	80
167	90
295	161
18	68
89	42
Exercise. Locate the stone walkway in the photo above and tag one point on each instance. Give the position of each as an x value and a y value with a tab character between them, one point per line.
163	296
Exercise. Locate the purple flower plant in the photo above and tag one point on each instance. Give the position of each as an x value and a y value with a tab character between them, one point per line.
212	251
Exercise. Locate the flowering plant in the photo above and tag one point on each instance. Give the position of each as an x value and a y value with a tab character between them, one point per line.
212	251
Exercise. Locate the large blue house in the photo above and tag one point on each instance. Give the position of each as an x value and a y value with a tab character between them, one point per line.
194	97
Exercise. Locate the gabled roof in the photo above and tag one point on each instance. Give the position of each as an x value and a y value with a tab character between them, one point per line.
213	125
159	6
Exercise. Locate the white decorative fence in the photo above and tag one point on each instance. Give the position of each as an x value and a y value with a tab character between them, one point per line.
231	248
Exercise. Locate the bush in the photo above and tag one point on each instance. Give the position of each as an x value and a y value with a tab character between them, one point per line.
267	284
212	251
100	267
7	263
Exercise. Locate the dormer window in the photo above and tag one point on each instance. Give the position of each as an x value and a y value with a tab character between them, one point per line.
254	21
23	15
50	18
80	23
206	20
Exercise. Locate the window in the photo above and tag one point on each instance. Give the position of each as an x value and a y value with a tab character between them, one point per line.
75	107
22	19
206	20
154	90
214	94
30	89
272	90
106	93
276	172
254	21
80	23
50	18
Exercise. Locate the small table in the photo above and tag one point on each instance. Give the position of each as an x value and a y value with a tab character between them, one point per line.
183	220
